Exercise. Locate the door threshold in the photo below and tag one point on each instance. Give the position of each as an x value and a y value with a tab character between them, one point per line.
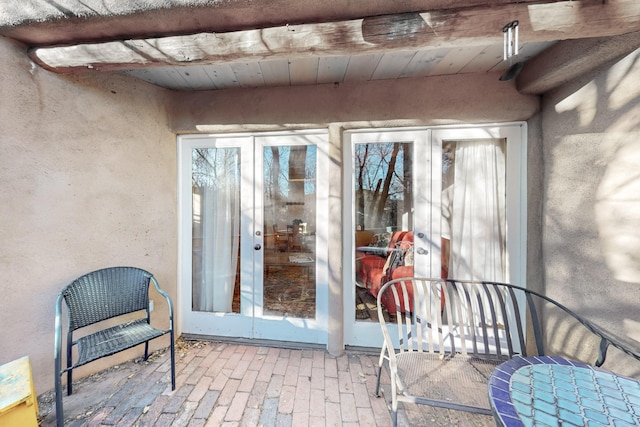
255	342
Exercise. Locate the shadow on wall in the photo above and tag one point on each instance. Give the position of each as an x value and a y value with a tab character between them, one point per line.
566	337
600	152
618	197
617	212
592	243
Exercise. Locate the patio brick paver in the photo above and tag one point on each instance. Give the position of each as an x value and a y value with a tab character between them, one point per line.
228	384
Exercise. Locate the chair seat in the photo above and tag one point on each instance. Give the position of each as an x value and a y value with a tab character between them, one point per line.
429	377
115	339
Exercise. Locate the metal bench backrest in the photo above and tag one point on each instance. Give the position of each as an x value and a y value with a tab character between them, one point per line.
106	293
438	353
476	318
479	318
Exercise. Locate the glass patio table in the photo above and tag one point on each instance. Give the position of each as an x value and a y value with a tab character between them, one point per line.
553	391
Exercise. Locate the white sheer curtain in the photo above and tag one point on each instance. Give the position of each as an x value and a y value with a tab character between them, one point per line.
214	274
478	211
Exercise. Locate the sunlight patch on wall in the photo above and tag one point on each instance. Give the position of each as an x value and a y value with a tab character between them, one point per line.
622	81
632	329
584	101
617	211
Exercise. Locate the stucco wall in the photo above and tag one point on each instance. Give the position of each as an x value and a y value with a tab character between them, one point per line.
591	216
535	195
444	100
88	173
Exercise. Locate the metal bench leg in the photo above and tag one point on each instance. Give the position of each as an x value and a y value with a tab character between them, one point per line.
394	403
380	365
378	381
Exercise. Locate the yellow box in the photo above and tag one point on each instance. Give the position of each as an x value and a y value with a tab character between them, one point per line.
18	400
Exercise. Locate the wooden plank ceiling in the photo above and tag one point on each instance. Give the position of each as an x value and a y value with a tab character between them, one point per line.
335	69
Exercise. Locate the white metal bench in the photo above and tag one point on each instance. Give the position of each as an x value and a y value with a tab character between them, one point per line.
441	353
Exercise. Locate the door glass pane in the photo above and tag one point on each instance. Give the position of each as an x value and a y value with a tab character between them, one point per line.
216	229
384	219
289	216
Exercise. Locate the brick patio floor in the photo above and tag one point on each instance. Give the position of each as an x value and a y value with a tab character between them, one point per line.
228	384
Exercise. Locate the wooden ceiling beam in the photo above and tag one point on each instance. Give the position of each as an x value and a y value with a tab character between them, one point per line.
476	26
41	24
569	59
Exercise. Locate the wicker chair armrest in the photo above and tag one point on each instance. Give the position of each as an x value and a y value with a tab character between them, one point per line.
166	296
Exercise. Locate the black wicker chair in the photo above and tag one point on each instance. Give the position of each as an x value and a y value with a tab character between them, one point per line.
101	295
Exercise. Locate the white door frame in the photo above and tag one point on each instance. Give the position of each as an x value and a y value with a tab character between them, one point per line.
367	334
251	322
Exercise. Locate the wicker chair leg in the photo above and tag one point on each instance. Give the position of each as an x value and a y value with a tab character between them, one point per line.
69	382
58	390
173	362
69	374
59	409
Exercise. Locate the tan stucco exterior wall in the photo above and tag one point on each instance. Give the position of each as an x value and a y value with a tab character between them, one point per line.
88	173
591	205
444	100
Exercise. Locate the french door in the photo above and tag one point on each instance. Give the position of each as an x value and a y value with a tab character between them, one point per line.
253	221
430	202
